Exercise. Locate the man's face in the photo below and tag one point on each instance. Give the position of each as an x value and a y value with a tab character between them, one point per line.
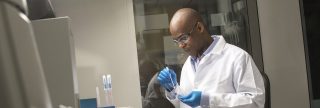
187	39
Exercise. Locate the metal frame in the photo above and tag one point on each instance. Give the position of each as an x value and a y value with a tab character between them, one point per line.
306	51
254	30
256	48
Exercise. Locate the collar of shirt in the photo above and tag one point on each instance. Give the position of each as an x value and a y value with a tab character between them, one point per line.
195	61
219	45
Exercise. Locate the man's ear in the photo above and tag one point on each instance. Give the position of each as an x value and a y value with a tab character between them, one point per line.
200	27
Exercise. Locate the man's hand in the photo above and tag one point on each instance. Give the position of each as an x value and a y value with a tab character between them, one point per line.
167	79
193	99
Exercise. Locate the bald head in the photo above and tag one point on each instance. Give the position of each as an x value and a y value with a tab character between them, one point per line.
188	21
183	20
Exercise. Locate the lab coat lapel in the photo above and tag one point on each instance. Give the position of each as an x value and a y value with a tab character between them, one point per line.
217	50
189	80
210	57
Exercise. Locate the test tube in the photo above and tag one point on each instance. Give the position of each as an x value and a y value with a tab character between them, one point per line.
176	87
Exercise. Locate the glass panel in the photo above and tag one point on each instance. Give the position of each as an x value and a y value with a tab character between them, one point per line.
156	48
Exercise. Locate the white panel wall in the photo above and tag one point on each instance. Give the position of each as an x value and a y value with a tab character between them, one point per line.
55	46
283	52
105	44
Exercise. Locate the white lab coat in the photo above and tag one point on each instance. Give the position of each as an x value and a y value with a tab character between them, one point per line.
227	77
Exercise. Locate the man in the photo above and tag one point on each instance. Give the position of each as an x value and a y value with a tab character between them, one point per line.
216	74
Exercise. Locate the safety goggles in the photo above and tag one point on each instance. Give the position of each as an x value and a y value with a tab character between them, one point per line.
184	37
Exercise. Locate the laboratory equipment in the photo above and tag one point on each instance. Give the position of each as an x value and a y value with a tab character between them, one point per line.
22	81
108	90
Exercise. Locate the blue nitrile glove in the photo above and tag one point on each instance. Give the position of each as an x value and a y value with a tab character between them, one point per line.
193	99
168	79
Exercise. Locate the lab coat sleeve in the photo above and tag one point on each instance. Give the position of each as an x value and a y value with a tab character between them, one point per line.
248	85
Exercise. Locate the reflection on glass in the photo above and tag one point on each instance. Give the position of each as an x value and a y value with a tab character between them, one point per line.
157	49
